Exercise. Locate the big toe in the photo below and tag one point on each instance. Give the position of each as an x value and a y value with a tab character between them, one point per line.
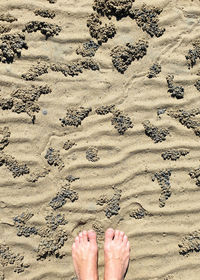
109	234
92	236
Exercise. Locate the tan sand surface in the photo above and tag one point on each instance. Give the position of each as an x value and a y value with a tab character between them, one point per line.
124	163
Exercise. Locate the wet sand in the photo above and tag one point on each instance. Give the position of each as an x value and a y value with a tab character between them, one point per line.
99	134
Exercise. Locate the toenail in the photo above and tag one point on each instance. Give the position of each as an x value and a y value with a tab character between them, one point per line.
80	234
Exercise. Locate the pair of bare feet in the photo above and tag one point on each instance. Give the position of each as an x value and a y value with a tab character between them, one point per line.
116	255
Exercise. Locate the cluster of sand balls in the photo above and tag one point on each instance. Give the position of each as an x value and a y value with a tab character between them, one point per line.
146	18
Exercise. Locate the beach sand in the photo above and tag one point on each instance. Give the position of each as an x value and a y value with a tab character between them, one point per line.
69	164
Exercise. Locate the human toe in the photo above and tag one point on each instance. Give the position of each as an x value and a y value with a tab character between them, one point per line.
80	237
121	235
125	240
73	248
109	234
77	240
128	245
85	236
92	236
117	235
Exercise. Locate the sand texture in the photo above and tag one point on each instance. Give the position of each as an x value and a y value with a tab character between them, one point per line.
99	127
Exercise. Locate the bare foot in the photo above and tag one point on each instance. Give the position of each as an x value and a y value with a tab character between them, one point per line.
116	254
84	254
